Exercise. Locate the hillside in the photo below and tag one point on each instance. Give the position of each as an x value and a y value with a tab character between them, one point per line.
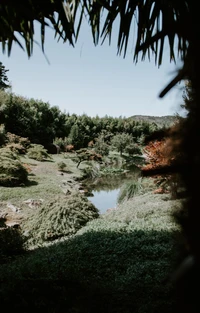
161	121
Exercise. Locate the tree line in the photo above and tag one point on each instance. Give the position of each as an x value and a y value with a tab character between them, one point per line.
45	124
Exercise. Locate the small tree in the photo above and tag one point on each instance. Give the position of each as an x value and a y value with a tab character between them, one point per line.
133	148
4	83
2	134
101	146
121	141
87	155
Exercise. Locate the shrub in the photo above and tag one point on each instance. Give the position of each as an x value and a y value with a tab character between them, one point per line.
11	243
7	153
16	147
61	165
12	138
101	147
59	217
61	142
133	148
38	152
12	171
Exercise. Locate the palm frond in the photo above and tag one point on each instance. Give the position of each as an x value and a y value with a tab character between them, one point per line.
157	23
17	20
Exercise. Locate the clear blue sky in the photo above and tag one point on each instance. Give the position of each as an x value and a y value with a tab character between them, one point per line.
92	80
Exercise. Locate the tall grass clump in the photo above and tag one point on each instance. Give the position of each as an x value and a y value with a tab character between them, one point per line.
135	187
92	170
59	217
129	189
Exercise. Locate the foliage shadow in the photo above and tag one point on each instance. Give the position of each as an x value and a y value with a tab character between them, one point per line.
96	271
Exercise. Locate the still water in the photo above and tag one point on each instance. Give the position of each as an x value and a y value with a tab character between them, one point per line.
106	189
104	200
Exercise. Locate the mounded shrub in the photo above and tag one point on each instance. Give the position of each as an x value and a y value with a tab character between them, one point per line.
7	153
12	171
15	139
16	148
38	152
61	166
59	217
11	243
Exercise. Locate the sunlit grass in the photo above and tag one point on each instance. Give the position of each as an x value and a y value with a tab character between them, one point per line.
120	262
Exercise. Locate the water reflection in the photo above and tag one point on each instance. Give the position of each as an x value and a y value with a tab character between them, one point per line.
104	200
105	189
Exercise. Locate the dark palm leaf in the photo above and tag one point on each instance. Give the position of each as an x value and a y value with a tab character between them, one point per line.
156	22
17	20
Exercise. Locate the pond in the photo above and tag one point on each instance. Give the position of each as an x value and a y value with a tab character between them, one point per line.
104	200
105	189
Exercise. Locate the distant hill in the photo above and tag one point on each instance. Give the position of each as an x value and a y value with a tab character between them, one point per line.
161	121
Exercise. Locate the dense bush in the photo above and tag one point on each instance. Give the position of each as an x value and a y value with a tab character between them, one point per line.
133	148
16	147
59	217
11	242
101	147
38	152
12	138
12	171
61	166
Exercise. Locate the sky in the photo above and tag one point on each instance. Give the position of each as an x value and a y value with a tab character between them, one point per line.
92	80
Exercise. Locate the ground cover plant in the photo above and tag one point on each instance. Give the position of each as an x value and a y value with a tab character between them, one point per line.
121	261
61	216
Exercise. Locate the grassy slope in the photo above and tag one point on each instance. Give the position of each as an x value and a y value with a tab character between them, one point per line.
120	262
44	180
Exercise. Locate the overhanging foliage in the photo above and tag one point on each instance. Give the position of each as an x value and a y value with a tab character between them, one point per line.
156	22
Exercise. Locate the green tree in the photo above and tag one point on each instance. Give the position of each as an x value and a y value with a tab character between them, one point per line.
31	118
2	134
4	83
101	146
75	137
121	141
133	148
188	96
